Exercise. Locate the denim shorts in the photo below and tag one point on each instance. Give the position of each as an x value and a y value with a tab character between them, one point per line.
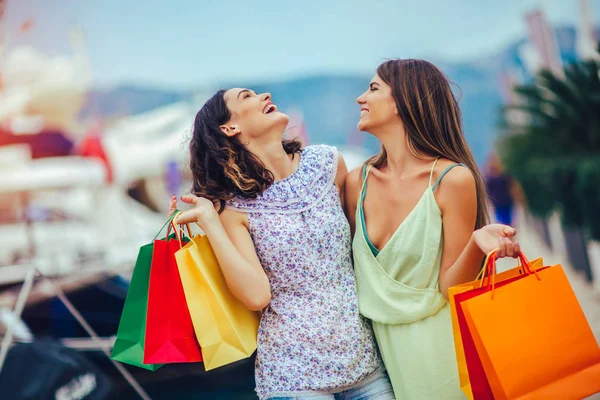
375	387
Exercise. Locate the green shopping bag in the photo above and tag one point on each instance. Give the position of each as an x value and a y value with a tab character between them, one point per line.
129	345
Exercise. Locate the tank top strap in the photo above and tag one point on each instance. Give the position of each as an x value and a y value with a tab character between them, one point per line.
444	174
361	211
431	172
363	190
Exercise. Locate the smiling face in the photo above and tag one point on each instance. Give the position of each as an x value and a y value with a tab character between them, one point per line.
377	106
252	115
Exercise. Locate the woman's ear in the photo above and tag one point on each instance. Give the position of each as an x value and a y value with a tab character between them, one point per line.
230	130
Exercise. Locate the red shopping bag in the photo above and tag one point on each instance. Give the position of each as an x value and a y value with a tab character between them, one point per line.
170	336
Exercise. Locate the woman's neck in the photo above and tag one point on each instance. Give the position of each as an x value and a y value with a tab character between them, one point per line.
275	159
400	159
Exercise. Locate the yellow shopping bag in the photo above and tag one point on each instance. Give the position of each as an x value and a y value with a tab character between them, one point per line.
463	373
225	328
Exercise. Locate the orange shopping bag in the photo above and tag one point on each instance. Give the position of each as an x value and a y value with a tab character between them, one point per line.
533	339
470	371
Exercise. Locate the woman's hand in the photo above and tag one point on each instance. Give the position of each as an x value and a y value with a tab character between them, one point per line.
203	212
497	236
172	205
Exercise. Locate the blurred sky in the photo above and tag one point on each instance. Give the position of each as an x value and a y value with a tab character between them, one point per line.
183	43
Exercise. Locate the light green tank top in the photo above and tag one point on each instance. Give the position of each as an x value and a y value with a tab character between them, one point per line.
399	284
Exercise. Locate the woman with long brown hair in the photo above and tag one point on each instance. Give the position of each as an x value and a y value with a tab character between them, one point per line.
418	213
284	246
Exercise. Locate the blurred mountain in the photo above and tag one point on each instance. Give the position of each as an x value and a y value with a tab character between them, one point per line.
328	105
130	100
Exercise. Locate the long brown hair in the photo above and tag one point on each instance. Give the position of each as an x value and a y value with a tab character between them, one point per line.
222	167
432	119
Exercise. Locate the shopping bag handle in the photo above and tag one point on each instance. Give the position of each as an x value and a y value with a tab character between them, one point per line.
490	268
485	272
179	232
169	222
189	230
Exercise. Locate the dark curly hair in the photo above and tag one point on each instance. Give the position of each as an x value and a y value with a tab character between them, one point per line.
222	167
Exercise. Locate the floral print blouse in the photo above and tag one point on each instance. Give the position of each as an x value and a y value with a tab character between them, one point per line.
312	339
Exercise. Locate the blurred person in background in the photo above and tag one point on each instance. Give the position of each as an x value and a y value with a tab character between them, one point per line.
419	216
272	212
501	188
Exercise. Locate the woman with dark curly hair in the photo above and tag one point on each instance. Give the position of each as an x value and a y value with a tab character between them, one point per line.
272	212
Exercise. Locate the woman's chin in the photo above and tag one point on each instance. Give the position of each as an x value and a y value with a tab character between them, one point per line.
276	123
279	118
362	126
